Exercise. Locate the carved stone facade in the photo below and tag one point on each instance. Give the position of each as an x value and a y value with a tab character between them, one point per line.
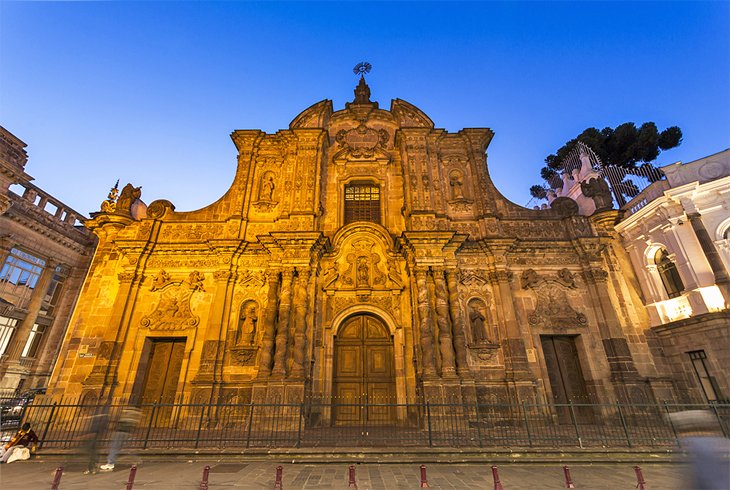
462	289
45	252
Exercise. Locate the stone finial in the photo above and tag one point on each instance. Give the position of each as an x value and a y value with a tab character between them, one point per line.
362	92
110	205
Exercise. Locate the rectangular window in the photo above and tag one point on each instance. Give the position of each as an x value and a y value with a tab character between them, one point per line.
34	341
362	202
53	294
707	382
18	277
7	328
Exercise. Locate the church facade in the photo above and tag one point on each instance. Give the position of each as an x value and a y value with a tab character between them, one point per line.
360	255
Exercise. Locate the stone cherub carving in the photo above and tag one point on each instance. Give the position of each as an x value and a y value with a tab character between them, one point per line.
598	190
196	281
160	280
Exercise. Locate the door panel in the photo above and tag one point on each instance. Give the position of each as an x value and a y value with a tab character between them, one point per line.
566	377
363	372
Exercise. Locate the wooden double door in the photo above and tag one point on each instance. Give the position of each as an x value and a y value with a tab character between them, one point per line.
364	374
566	378
161	362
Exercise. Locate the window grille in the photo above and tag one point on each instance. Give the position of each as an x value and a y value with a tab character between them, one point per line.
362	202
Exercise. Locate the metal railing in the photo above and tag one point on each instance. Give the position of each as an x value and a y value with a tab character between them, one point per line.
195	426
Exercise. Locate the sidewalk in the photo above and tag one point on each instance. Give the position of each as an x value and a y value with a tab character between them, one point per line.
237	473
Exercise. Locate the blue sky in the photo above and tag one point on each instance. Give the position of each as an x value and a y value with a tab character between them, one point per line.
148	92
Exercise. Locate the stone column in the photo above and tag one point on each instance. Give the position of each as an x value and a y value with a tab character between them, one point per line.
457	320
722	280
34	307
282	326
301	303
213	341
446	346
424	315
269	324
514	342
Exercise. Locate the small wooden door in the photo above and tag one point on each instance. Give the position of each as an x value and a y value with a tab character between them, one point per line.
163	370
364	376
566	376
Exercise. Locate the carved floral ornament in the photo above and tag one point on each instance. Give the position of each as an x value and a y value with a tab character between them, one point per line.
553	308
172	311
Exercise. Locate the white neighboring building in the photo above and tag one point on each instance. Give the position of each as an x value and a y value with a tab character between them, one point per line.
677	234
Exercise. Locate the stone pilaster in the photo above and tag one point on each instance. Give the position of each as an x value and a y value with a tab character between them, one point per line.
514	344
457	320
446	347
211	352
269	324
282	326
301	303
425	320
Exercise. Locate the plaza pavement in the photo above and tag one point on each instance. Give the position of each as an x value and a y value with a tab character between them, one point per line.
230	472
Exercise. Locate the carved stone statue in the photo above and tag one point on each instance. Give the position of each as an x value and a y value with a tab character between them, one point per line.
363	272
267	189
246	334
477	320
160	280
598	190
128	195
456	183
196	281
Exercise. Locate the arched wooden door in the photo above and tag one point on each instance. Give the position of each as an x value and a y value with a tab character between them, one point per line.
364	374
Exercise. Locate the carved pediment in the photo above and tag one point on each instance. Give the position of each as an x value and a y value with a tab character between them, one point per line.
172	311
553	308
362	143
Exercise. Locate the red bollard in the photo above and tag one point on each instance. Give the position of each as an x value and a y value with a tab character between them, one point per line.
640	482
132	474
352	482
204	481
495	475
57	478
568	479
278	485
424	480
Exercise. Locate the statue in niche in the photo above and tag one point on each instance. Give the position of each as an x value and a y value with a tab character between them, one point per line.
457	185
477	319
267	188
363	272
246	334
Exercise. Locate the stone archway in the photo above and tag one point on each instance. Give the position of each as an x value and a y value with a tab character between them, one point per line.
363	372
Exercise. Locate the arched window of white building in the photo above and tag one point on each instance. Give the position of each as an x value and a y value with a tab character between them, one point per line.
668	273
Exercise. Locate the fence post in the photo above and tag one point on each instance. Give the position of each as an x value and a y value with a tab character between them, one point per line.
623	424
671	424
132	474
719	420
428	417
200	426
57	478
479	424
575	424
149	426
299	431
204	481
250	422
48	424
527	424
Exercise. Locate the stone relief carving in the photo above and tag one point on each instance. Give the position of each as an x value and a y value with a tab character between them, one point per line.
362	143
553	309
477	314
361	268
267	188
247	324
160	280
172	311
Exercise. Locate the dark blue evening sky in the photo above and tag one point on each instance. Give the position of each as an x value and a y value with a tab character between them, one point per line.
148	92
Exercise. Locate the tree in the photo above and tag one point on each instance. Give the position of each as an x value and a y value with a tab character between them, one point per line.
624	147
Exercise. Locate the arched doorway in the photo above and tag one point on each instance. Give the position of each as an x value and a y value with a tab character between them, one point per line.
364	372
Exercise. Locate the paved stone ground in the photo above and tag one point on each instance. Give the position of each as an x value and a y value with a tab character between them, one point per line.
30	475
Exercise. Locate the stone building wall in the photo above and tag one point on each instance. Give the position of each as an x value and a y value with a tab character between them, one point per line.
254	296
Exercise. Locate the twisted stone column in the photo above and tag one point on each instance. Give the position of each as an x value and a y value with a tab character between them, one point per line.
448	368
457	320
301	303
282	326
269	324
424	315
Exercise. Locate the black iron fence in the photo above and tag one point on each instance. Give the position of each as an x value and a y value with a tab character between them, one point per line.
197	426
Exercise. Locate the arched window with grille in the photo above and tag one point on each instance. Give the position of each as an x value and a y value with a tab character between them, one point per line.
362	202
668	273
